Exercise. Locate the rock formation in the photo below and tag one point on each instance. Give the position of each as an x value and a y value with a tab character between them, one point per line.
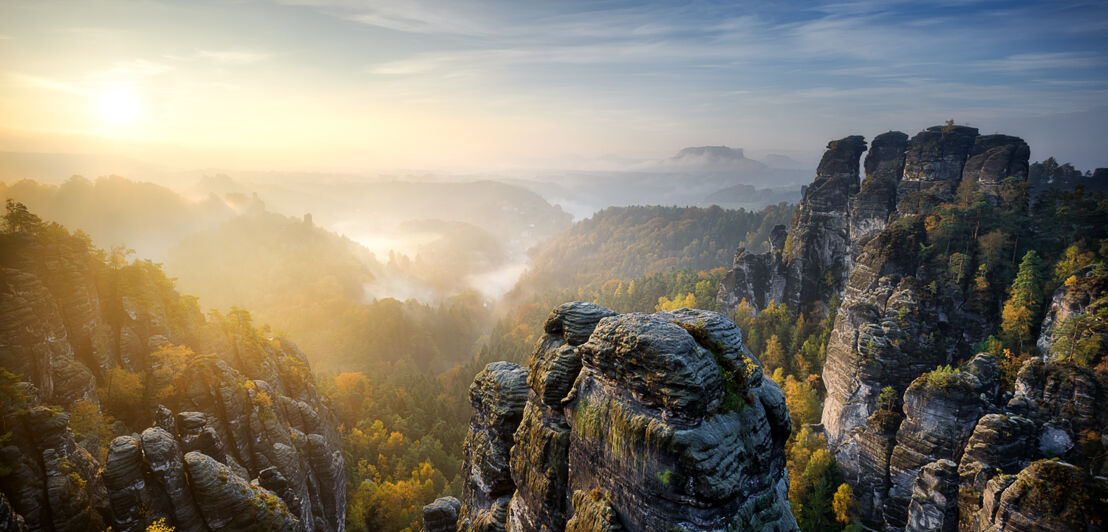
941	409
441	515
933	166
633	421
1047	495
818	241
540	463
497	394
928	447
933	507
995	158
1081	296
870	208
246	406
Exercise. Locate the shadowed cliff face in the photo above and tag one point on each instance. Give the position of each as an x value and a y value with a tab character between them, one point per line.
810	263
944	451
632	421
240	438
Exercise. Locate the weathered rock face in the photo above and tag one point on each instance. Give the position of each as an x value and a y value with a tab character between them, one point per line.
54	484
819	237
933	507
818	241
230	503
250	407
677	429
1000	444
34	342
933	166
1047	495
498	395
876	200
882	333
539	459
655	421
941	410
995	158
593	513
755	278
1082	295
1066	403
441	515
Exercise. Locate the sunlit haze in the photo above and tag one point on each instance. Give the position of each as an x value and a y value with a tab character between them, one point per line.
352	86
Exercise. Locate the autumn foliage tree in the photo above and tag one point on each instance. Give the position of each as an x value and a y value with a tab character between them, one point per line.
1021	308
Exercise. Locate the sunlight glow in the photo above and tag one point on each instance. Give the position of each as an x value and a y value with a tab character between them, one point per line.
119	106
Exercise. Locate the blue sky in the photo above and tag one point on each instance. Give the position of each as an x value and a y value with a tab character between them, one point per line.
461	84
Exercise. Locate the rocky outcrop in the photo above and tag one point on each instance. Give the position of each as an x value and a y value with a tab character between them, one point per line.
539	458
933	463
933	166
441	515
819	236
498	395
818	241
876	200
995	158
593	513
248	405
1000	444
228	502
882	335
1047	495
52	483
941	409
655	421
672	409
1070	315
1066	403
757	279
34	341
933	507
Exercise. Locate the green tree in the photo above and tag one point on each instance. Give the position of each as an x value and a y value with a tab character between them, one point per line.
1081	337
20	219
1021	308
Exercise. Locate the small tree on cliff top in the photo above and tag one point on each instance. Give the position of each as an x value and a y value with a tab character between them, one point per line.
19	218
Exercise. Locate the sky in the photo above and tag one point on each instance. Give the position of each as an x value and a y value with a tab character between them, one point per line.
470	85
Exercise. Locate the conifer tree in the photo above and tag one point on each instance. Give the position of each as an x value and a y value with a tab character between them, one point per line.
1017	318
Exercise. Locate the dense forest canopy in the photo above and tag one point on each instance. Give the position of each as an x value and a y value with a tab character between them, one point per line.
626	242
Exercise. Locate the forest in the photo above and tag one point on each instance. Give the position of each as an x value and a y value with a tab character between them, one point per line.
397	372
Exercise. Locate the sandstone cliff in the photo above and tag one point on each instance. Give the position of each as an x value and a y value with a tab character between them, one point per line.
631	422
227	430
916	420
810	264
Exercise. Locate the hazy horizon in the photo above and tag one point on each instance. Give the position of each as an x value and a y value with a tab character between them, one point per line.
344	86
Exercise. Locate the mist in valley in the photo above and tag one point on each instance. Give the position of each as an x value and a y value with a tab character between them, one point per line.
355	258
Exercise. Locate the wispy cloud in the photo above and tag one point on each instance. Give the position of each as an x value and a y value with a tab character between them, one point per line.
1043	61
232	57
133	70
45	83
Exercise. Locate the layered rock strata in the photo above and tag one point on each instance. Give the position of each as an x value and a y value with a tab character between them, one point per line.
639	422
247	407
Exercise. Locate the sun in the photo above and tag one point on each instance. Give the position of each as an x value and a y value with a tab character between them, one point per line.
119	106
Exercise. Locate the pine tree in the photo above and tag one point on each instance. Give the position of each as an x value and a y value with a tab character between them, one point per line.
1017	318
